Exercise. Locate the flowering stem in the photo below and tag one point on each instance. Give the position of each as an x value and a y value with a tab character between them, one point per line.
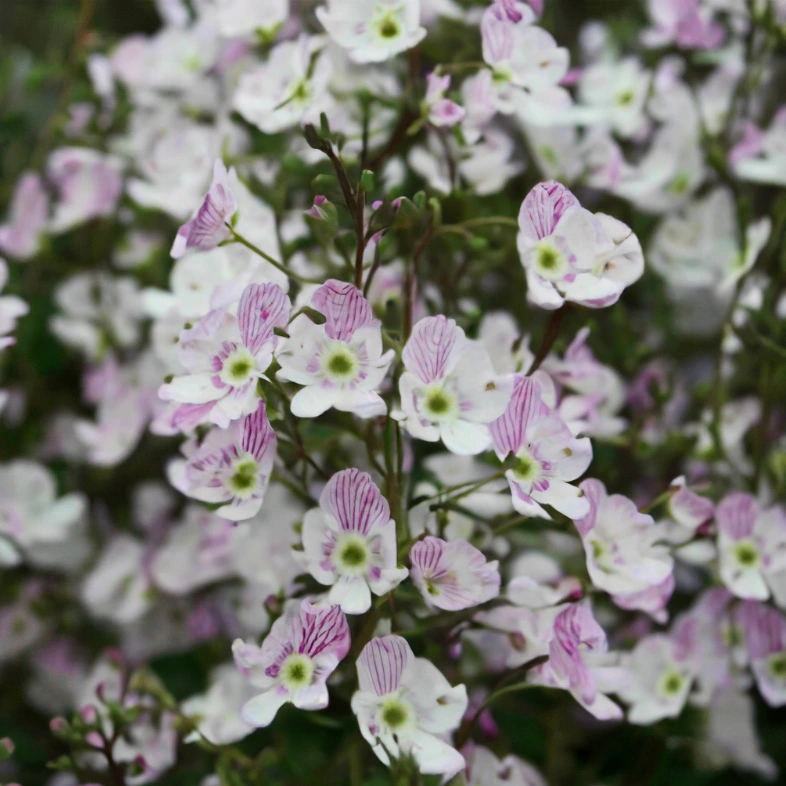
259	252
552	331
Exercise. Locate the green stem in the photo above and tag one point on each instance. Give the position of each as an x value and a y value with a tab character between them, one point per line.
276	264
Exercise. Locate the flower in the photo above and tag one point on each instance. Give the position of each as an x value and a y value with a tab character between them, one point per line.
47	529
373	30
404	706
449	390
764	629
301	651
243	17
287	90
197	551
340	363
349	542
485	769
226	355
576	664
88	184
570	255
545	453
208	227
751	547
231	466
441	111
218	708
621	545
527	65
11	308
20	237
661	678
453	575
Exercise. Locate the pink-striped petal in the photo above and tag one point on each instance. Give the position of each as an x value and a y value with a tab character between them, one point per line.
381	664
433	348
321	629
258	438
526	408
344	307
736	515
208	227
543	208
355	502
262	308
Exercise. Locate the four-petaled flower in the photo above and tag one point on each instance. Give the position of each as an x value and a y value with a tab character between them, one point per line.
405	706
301	651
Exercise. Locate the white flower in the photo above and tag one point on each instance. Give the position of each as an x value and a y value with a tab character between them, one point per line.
453	575
545	453
449	390
624	557
291	88
226	355
46	529
373	30
751	547
118	588
218	709
660	680
350	542
340	363
405	706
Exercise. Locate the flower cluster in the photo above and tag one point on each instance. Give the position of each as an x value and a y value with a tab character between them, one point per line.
370	366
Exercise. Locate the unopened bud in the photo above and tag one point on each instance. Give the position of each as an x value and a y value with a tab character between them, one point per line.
94	738
58	726
6	748
88	713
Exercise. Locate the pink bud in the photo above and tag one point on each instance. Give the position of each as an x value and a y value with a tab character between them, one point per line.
58	725
7	744
95	739
88	713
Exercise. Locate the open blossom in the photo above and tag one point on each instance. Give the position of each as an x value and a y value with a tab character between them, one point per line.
442	111
242	17
88	185
373	30
231	467
576	662
45	528
11	308
349	542
208	227
688	23
196	552
526	62
218	708
301	651
449	390
226	355
485	769
20	236
340	363
453	575
286	90
764	629
569	254
624	557
661	675
760	156
546	456
752	547
405	706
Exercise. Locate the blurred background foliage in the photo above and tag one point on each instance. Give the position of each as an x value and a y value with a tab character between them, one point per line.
38	76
